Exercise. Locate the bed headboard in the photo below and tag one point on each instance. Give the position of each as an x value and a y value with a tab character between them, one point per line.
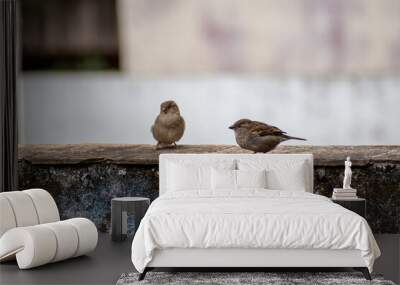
164	159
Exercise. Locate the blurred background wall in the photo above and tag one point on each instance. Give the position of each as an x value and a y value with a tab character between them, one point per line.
97	71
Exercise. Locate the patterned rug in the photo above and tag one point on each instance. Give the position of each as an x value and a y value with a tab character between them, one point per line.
273	278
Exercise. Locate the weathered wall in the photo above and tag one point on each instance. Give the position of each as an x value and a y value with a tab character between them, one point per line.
84	178
86	190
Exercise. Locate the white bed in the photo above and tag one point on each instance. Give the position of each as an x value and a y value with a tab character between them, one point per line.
248	227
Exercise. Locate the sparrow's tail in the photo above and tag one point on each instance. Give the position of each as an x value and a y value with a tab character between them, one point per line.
295	138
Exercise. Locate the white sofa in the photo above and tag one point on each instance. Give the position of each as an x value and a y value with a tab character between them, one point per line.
31	230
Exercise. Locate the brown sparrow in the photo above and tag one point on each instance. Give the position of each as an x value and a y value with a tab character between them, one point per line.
169	125
258	136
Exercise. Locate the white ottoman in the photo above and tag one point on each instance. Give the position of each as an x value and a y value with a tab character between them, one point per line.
31	230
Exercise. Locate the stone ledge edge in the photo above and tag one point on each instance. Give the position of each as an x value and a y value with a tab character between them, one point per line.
73	154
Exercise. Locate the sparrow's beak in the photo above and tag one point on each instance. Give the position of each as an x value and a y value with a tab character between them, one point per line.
232	127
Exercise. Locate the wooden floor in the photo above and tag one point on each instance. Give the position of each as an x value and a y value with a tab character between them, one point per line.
111	259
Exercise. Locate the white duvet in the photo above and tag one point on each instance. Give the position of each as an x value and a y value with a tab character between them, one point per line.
250	219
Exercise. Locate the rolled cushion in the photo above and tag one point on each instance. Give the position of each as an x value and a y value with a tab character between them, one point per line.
33	246
7	218
37	245
45	205
23	208
66	238
87	234
26	208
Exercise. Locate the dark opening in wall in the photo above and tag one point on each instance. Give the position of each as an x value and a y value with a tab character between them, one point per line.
69	35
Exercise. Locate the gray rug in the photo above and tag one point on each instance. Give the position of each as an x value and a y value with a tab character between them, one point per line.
228	278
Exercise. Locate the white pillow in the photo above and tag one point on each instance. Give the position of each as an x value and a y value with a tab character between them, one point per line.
223	179
251	178
227	179
184	177
193	175
281	174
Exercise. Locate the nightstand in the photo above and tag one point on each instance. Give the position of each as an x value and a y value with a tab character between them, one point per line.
357	205
120	207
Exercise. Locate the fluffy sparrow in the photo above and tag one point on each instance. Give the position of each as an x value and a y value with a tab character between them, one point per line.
258	136
169	125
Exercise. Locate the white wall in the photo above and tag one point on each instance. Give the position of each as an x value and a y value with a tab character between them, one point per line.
113	108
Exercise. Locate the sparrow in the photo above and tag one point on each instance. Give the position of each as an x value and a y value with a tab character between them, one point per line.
258	136
169	125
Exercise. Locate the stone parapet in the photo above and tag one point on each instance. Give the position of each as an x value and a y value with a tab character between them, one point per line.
84	177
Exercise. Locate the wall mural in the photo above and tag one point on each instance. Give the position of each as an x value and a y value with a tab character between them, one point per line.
260	36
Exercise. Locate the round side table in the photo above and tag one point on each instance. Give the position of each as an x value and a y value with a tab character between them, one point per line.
120	207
